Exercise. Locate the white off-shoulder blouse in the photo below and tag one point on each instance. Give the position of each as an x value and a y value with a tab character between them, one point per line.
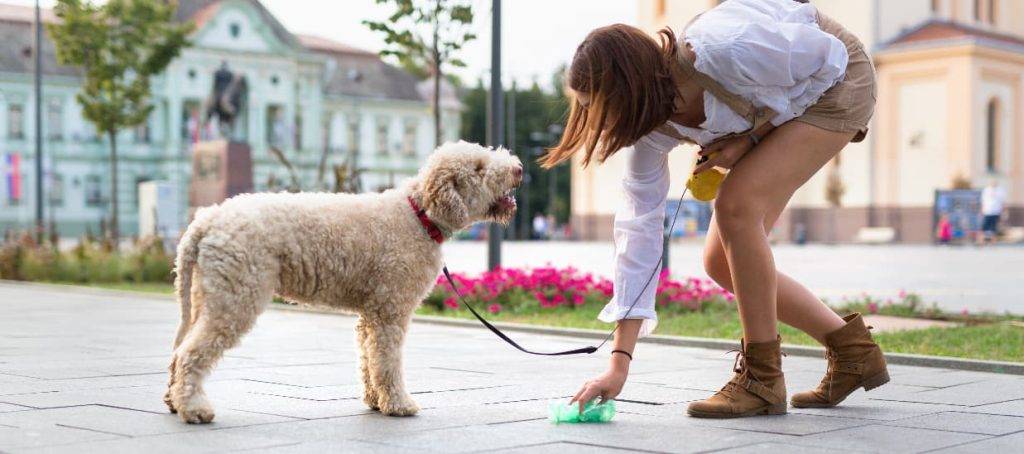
770	52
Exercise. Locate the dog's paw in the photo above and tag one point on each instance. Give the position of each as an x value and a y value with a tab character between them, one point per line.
196	410
371	401
401	406
169	402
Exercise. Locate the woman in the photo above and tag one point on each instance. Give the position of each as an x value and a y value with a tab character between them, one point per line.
769	89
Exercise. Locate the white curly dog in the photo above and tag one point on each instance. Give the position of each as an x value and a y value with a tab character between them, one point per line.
377	255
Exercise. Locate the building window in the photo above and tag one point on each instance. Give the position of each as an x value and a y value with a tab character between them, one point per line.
275	127
977	10
297	139
235	29
992	136
55	192
55	120
935	6
93	190
992	8
15	122
382	135
141	132
353	134
190	121
409	132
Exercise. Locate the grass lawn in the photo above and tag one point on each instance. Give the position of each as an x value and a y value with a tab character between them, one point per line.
996	341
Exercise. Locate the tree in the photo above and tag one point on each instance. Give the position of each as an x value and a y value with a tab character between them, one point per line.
536	111
445	23
118	46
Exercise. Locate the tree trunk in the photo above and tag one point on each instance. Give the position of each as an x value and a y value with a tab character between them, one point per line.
115	229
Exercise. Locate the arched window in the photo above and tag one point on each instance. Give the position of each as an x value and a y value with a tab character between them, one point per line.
935	6
992	130
992	8
977	10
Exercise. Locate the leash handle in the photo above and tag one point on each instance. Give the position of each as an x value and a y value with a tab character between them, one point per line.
578	351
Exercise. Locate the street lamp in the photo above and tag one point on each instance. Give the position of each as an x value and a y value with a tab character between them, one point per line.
497	108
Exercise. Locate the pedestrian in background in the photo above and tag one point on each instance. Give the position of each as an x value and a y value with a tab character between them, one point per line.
944	232
540	227
993	197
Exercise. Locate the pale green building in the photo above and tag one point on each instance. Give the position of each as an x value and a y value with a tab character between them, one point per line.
306	95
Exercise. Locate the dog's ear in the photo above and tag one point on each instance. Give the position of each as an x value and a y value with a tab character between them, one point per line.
442	200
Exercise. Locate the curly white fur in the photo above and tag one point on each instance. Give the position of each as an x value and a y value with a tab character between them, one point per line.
367	253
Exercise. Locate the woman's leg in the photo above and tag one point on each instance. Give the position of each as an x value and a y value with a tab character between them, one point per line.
761	183
796	305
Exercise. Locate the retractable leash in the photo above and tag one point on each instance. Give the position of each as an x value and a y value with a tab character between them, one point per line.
578	351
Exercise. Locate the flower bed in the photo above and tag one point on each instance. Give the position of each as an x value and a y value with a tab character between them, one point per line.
527	290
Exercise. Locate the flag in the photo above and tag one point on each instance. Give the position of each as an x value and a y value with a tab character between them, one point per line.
12	175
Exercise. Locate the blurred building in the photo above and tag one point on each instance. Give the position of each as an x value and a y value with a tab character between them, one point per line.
950	112
307	95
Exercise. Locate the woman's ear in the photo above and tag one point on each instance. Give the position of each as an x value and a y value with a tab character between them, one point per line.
442	200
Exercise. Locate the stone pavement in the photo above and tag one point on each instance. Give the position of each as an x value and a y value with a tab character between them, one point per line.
84	371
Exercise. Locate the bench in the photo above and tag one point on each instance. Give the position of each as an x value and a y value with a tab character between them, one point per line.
876	235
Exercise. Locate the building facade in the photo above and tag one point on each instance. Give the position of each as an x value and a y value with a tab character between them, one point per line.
320	102
950	112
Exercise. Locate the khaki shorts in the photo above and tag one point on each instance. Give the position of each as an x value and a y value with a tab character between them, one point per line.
848	105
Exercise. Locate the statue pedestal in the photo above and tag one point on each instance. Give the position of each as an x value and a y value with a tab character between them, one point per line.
220	169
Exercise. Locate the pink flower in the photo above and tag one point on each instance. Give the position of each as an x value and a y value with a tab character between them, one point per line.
965	312
903	294
872	307
451	302
577	299
494	308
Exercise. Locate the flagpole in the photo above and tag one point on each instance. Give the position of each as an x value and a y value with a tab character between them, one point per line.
40	226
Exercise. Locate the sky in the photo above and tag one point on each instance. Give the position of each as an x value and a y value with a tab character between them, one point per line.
538	35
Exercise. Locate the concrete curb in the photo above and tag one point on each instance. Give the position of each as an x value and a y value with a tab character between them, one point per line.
943	362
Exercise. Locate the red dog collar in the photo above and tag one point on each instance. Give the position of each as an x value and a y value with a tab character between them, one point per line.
428	225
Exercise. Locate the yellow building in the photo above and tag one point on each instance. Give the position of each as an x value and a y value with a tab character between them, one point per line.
950	110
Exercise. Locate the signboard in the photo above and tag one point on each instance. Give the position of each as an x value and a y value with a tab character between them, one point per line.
963	206
694	218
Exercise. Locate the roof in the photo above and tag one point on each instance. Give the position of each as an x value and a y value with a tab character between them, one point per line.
319	43
364	74
938	31
17	40
199	11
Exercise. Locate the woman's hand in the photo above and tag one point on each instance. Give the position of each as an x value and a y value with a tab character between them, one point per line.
724	153
606	386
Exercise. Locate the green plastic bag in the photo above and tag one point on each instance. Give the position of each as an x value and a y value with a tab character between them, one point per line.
562	412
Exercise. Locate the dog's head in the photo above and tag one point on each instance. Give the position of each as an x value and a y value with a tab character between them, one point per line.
464	183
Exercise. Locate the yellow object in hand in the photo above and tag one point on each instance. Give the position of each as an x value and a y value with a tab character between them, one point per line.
704	185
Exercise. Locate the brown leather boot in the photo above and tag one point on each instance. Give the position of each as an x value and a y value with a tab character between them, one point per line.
854	361
758	388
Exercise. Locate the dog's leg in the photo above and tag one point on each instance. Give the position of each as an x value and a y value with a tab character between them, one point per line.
222	322
197	299
370	396
384	347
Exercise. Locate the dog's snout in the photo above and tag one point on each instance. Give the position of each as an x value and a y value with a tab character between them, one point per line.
518	171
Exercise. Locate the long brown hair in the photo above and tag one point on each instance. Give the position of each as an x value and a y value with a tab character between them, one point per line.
626	74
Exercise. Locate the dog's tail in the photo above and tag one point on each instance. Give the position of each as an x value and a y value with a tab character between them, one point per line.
188	252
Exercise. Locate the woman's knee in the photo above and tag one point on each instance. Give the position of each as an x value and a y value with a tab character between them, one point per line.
736	211
716	265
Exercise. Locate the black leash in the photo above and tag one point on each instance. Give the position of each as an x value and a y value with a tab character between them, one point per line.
578	351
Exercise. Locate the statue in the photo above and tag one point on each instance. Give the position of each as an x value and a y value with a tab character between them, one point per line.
227	99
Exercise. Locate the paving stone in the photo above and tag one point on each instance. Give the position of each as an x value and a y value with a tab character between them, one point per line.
965	422
1011	408
888	439
1006	443
862	407
761	448
12	438
199	441
972	394
347	446
121	421
564	448
790	424
9	407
